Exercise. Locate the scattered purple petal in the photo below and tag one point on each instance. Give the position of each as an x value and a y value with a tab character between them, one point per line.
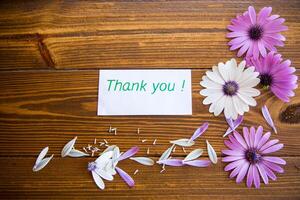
198	163
236	124
129	153
199	131
125	177
230	123
268	117
171	162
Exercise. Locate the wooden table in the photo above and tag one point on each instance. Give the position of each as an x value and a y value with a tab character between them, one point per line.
50	54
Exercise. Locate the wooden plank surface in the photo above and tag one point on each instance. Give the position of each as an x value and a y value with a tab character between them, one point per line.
51	107
129	34
50	53
69	179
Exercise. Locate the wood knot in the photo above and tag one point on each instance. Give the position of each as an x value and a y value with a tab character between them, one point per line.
291	114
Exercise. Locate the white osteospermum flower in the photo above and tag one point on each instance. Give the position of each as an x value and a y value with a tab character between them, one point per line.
99	170
229	87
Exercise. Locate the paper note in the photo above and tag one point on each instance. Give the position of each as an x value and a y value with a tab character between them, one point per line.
145	92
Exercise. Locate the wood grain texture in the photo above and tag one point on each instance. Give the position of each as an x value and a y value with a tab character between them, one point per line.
54	106
67	178
131	34
49	55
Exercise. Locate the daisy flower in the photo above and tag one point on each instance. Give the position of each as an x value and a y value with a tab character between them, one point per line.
276	75
248	156
254	33
105	166
229	87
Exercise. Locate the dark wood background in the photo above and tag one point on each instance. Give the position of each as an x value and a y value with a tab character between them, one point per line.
50	54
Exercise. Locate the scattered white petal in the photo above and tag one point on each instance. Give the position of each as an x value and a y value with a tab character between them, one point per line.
42	155
109	148
68	147
193	155
105	175
143	160
167	153
268	118
76	153
183	142
41	162
105	156
211	153
98	180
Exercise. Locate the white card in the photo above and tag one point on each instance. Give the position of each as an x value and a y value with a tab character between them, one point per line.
145	92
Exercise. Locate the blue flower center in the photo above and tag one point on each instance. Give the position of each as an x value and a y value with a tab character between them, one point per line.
255	32
230	88
92	166
252	156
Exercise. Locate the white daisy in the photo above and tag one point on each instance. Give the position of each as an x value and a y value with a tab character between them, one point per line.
229	87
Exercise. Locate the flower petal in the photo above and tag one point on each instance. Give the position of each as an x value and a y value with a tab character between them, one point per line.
104	157
143	160
263	140
198	163
167	153
68	147
193	155
125	177
232	158
234	164
171	162
250	176
252	14
274	159
40	165
263	173
242	172
268	117
76	153
183	142
211	153
42	154
98	180
240	139
199	131
105	175
273	148
273	166
256	177
269	172
236	124
110	148
129	153
269	144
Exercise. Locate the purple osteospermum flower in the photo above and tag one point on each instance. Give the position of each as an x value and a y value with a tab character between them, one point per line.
248	156
254	33
276	75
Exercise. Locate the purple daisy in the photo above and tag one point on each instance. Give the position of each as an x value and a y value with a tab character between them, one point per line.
248	156
276	74
255	33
